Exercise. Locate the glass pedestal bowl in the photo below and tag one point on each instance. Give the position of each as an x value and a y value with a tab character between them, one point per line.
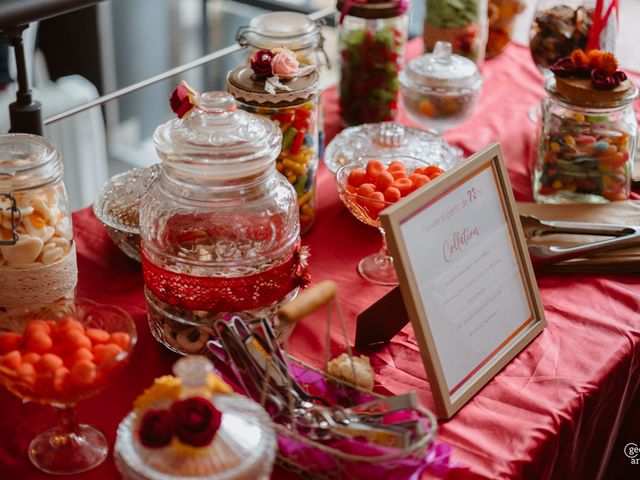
58	355
378	267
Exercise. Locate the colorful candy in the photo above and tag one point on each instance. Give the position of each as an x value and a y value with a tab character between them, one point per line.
370	63
583	155
376	187
58	360
298	159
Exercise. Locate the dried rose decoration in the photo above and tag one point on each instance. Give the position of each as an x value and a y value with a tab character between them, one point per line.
261	63
196	421
601	67
156	428
182	99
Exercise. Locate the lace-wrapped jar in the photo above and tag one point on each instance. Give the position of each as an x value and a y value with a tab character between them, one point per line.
37	252
219	228
293	107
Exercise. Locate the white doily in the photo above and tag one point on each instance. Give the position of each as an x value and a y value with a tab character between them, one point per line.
35	286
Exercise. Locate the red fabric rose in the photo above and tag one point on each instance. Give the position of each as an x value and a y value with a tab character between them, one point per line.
181	99
156	429
261	63
196	421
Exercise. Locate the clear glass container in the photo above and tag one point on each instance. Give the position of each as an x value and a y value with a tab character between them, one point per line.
371	42
502	17
387	139
219	228
560	26
37	252
440	90
585	149
295	112
243	447
291	30
462	23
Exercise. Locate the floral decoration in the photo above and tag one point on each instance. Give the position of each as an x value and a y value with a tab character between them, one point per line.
193	421
182	99
276	65
601	67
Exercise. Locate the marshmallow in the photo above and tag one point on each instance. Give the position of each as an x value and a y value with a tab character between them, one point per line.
26	250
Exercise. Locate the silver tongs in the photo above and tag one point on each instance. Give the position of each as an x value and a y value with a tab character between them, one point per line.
541	255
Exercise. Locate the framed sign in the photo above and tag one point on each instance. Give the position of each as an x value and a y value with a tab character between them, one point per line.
465	276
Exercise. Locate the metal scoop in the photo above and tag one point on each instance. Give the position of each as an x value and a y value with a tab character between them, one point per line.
541	255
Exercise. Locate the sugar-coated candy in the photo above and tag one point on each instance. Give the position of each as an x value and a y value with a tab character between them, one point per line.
10	341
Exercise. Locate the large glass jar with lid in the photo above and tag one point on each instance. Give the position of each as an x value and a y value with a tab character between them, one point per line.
37	252
294	108
219	228
371	41
586	145
463	23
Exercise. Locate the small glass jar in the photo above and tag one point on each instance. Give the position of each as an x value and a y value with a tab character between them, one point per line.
295	112
219	228
463	23
371	41
560	26
502	17
440	90
37	251
585	149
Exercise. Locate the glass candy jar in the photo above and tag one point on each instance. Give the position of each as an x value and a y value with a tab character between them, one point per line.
585	148
219	228
560	26
440	90
37	252
371	41
294	110
463	23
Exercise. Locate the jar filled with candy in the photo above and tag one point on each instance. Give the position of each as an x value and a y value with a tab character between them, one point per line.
37	252
588	132
371	40
561	26
278	88
502	16
463	23
219	228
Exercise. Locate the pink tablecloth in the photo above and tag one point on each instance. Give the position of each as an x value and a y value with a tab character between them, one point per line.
564	408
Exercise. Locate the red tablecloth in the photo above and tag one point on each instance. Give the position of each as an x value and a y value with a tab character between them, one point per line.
564	408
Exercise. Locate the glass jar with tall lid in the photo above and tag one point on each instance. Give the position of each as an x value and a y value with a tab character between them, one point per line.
219	228
586	147
37	251
371	41
294	108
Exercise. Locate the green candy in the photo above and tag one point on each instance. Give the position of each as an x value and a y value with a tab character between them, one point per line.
451	13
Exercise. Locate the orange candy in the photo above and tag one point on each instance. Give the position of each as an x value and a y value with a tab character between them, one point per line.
27	373
357	177
97	335
60	378
392	194
375	202
31	357
404	185
82	353
105	354
384	181
374	168
121	339
48	363
73	339
69	322
366	189
10	341
396	165
418	180
38	340
83	373
396	174
11	360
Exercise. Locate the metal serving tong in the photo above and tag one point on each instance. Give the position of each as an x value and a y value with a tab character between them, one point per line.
541	255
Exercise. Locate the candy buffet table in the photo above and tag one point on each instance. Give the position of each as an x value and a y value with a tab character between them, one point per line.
564	408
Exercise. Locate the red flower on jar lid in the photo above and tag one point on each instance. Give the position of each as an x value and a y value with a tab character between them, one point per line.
182	99
261	63
156	428
196	421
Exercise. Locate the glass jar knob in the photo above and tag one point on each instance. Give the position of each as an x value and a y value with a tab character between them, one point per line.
193	370
391	134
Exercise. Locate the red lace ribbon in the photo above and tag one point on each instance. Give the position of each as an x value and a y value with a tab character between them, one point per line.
600	19
227	294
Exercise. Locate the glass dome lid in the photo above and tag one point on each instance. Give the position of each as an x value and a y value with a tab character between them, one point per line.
387	139
273	29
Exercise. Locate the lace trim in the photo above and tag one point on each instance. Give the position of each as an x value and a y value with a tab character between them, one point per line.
284	97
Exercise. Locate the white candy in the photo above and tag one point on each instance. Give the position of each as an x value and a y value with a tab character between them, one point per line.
35	226
52	255
59	242
26	250
41	208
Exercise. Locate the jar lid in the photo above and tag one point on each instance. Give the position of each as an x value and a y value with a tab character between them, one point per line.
243	84
581	94
387	139
215	134
373	8
441	70
276	29
27	161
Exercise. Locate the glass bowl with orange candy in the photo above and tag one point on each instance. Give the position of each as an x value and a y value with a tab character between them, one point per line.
60	354
369	185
